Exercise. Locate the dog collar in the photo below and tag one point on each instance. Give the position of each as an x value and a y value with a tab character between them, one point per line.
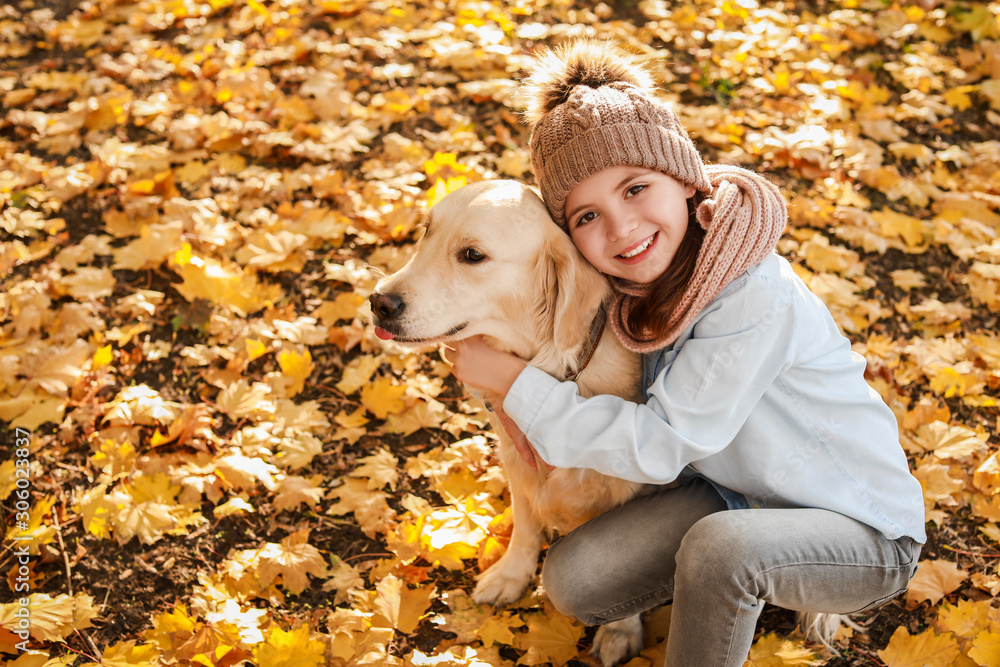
596	330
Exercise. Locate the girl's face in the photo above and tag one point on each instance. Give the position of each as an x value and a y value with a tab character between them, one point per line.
628	221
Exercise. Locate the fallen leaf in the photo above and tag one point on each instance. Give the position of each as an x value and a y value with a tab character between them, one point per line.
934	580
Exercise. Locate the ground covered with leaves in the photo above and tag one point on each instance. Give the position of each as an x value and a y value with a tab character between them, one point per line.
207	457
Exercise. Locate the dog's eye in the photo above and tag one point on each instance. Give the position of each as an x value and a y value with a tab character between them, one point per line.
471	256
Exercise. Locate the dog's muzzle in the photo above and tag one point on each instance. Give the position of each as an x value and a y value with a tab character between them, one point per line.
385	308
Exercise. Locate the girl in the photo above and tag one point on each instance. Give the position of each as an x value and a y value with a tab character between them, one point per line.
789	485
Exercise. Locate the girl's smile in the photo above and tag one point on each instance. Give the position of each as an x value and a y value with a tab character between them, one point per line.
636	254
629	221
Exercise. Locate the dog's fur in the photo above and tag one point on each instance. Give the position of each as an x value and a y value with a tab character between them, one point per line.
532	294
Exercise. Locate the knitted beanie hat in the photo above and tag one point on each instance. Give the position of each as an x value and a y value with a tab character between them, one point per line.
592	108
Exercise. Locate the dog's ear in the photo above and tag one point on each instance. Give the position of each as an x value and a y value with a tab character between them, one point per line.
573	290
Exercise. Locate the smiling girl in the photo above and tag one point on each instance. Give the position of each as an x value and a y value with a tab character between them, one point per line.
784	480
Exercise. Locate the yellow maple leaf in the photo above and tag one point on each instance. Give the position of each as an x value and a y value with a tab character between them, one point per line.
297	450
987	475
987	582
102	358
443	188
549	639
31	409
959	97
241	399
383	396
345	306
351	425
222	284
52	618
60	368
445	162
949	441
293	559
209	645
908	228
907	279
496	629
170	626
421	414
465	617
928	649
380	469
127	654
97	510
293	648
293	491
937	483
254	349
90	283
115	459
147	520
233	506
935	579
774	651
358	373
401	607
826	258
35	530
369	507
986	649
246	621
156	243
296	366
8	479
140	404
244	472
466	656
965	619
948	382
32	658
987	508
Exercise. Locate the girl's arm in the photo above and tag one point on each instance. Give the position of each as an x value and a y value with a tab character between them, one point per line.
694	409
477	364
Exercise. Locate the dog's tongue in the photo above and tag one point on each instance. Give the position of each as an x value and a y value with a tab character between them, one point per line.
383	334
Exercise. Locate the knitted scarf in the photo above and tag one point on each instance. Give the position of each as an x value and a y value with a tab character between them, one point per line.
743	220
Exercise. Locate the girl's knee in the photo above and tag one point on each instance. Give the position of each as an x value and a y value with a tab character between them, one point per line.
718	545
571	581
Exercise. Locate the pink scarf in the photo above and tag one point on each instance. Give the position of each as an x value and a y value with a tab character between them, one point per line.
743	220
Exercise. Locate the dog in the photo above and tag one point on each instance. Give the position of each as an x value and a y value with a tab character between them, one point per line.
492	262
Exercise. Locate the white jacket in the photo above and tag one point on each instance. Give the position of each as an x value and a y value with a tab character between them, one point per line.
762	396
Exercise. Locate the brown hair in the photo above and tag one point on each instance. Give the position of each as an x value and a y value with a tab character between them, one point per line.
650	318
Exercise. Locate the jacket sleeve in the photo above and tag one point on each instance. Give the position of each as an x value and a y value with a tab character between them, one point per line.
695	406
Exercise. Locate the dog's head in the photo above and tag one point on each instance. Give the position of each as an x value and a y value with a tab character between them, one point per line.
491	262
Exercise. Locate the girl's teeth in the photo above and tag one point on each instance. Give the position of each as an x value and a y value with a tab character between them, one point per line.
633	253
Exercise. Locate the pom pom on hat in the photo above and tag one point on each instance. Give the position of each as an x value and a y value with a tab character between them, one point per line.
592	107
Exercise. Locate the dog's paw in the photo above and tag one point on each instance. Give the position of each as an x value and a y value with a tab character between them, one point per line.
501	585
618	640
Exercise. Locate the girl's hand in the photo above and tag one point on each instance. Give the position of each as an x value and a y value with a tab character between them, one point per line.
524	448
477	364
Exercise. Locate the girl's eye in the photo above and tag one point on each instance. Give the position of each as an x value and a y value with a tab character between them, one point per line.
635	189
585	218
471	256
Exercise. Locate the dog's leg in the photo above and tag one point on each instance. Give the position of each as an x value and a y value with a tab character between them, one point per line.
618	640
506	580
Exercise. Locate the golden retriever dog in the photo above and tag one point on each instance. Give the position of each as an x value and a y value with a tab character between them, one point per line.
493	263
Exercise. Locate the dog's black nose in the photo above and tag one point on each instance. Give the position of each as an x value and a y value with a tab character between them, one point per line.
386	306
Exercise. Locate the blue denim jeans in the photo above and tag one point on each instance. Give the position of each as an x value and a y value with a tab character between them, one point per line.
719	567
